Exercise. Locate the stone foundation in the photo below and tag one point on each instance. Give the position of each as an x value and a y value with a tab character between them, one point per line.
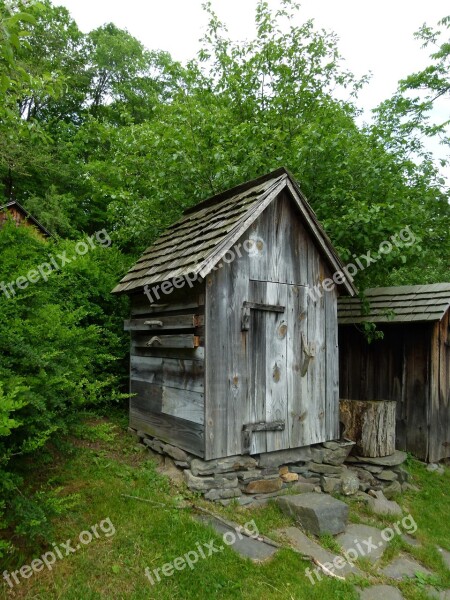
323	467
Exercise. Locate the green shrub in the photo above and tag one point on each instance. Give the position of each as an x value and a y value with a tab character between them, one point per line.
61	350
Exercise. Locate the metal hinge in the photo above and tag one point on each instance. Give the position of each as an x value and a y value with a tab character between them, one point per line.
250	428
249	306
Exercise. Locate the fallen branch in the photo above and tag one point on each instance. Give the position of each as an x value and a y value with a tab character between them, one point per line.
144	500
270	542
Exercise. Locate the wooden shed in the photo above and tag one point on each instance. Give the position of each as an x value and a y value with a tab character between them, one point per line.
21	217
410	365
230	354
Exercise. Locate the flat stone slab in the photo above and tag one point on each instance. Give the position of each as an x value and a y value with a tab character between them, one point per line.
410	540
392	460
365	538
263	486
310	548
380	505
380	592
403	568
316	513
284	457
255	549
445	557
438	594
222	465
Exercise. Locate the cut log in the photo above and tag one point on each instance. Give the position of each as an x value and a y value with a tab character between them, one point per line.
371	425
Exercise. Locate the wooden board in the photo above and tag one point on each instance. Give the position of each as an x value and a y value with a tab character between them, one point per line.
181	433
175	353
439	409
162	340
315	419
226	375
279	254
183	404
267	362
163	322
185	374
154	398
331	366
297	385
188	300
145	396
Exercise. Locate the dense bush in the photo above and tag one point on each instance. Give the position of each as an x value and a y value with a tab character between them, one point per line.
60	351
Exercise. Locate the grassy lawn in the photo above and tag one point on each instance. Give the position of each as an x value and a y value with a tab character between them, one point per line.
102	465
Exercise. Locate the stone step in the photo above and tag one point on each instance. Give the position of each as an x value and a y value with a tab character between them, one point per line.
248	547
316	513
380	592
364	540
308	547
404	568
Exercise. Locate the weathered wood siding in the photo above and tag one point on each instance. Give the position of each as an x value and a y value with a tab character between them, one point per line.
439	412
19	219
255	376
167	367
409	365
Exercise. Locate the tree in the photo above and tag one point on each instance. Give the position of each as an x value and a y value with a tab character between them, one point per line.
242	109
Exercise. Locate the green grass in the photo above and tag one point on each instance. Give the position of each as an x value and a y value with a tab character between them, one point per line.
101	464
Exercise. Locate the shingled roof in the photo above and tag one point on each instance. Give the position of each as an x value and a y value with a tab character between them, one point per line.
397	304
200	239
13	204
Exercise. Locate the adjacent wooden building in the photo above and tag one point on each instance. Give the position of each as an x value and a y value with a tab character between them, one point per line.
21	216
411	364
230	352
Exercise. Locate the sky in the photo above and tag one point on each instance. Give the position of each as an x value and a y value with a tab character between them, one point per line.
375	37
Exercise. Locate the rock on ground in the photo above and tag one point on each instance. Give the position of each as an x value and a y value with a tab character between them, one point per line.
380	505
403	567
380	592
392	460
316	513
365	537
255	549
310	548
445	557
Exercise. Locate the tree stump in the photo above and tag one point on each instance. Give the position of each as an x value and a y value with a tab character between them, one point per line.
371	425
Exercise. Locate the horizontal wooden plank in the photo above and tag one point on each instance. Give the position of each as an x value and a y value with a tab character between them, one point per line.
155	398
180	373
181	433
164	322
183	404
264	307
185	301
175	353
145	396
162	340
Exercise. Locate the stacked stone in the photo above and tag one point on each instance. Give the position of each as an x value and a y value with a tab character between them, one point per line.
242	478
359	474
385	473
311	469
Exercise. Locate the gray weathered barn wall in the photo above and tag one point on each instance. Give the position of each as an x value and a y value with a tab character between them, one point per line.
410	365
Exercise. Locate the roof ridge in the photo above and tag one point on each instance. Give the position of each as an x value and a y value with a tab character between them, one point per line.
233	191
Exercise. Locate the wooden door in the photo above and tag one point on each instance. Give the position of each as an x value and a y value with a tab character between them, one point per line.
277	390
